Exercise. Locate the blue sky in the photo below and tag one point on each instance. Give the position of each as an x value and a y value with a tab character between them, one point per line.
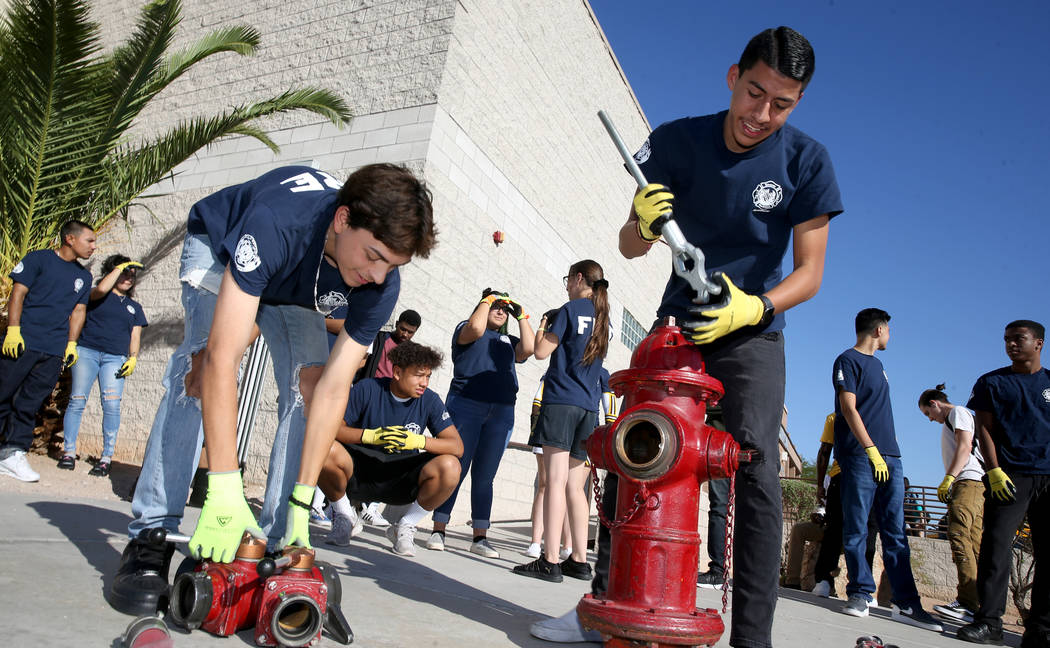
935	117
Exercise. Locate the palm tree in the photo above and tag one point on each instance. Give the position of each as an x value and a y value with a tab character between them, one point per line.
66	107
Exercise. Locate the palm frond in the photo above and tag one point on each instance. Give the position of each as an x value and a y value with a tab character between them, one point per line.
239	39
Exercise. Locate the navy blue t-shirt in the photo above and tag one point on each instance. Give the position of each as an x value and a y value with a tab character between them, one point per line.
568	381
863	376
484	369
271	232
55	288
1020	404
109	323
738	208
603	381
372	405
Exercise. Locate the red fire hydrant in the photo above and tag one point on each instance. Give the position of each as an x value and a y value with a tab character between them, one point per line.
662	452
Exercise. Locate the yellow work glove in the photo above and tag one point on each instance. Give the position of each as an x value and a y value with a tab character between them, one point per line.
384	437
225	517
128	264
297	525
71	356
736	310
878	464
407	441
1003	488
651	203
514	308
14	345
128	367
944	491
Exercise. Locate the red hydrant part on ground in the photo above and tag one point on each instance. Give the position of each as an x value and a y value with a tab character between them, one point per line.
662	452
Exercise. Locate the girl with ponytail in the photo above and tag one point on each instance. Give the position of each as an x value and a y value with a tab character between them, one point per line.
576	340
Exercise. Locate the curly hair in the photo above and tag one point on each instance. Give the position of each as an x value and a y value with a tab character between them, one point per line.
410	354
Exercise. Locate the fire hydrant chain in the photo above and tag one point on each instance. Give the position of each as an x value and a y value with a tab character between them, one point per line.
640	499
729	543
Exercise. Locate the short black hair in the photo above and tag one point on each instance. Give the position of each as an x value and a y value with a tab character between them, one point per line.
412	354
72	228
1037	329
410	317
870	319
783	49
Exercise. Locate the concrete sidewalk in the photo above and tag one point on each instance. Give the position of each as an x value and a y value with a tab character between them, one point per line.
60	553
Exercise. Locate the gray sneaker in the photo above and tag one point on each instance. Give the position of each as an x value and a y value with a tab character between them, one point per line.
403	537
824	589
857	606
344	527
16	465
564	629
483	548
916	616
436	542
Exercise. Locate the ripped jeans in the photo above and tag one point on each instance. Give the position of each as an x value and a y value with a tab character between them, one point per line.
296	339
95	365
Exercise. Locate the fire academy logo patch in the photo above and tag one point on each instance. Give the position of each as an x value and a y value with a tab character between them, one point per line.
643	153
330	301
767	195
246	256
78	284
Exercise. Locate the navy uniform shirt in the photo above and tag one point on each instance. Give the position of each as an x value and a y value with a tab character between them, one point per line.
863	376
271	233
568	381
484	369
1020	404
373	405
738	208
55	287
109	323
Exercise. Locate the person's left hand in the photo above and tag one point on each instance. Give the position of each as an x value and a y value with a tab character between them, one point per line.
736	310
128	367
944	491
408	441
71	355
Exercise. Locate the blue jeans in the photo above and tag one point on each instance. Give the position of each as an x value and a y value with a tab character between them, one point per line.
860	496
296	338
92	365
485	429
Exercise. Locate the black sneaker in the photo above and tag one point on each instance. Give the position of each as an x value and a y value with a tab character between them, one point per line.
981	632
67	462
140	587
541	569
1035	639
710	580
576	569
101	469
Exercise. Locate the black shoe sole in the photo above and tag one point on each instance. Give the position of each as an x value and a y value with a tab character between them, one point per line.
550	578
137	602
580	575
67	467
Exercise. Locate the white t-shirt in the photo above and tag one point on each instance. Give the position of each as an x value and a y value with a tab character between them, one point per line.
960	419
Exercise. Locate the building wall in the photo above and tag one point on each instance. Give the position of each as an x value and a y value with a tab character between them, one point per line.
497	110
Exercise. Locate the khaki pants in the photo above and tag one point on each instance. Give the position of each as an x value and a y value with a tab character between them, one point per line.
801	533
965	524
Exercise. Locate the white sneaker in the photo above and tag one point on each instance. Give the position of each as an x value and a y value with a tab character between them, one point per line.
16	465
373	517
955	610
344	527
822	589
436	542
403	537
483	548
533	551
564	629
564	553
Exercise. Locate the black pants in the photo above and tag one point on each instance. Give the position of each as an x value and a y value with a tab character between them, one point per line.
24	384
1001	521
751	368
831	545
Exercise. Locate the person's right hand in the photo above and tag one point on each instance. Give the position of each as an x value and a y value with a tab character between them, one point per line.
225	517
650	203
388	436
944	491
297	524
128	264
14	345
878	464
1002	486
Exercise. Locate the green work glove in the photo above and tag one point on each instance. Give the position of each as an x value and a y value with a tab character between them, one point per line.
650	203
944	491
128	367
128	264
297	526
384	436
71	354
408	441
14	345
1002	487
514	308
878	464
225	517
736	310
